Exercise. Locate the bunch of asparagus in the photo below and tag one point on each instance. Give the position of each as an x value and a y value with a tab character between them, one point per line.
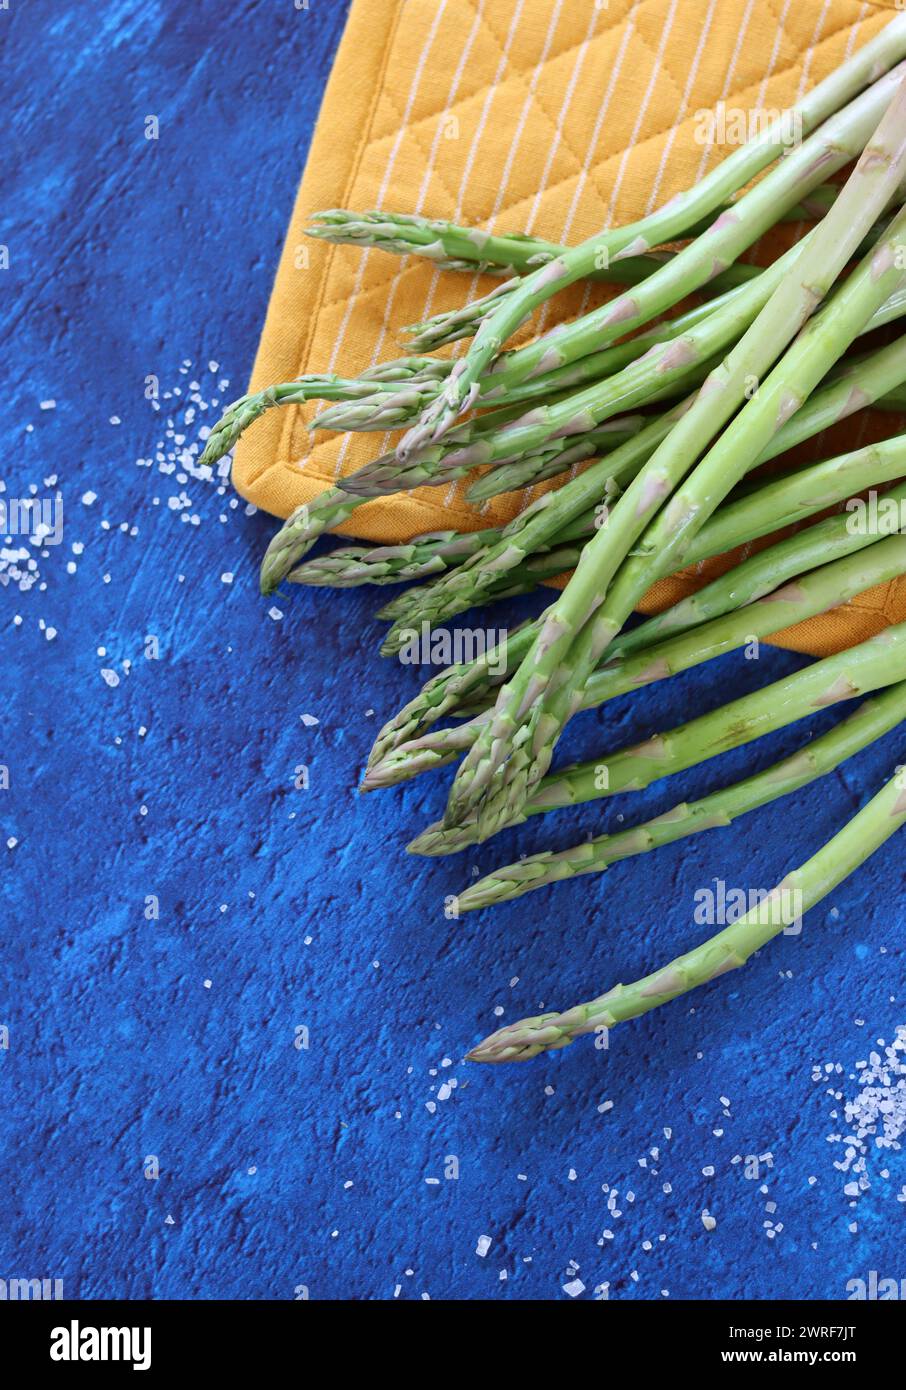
671	414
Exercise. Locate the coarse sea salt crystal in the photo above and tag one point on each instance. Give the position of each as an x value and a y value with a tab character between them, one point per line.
483	1246
111	677
574	1288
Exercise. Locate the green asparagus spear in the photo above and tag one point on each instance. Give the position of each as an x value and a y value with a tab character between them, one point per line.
533	708
826	587
879	662
841	138
756	576
452	247
464	321
873	719
246	410
732	947
547	522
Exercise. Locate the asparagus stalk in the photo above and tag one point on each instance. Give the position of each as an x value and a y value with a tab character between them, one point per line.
879	662
330	508
532	709
847	851
329	387
873	719
505	566
669	362
452	690
842	137
384	410
435	552
763	571
824	588
452	247
463	322
785	501
333	507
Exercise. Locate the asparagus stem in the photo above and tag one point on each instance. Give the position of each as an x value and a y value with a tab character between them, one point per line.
453	247
384	410
732	947
759	574
334	506
464	321
873	719
331	508
533	708
448	689
829	586
246	410
879	662
506	567
841	138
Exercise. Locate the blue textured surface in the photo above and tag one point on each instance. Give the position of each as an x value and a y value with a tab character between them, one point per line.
281	908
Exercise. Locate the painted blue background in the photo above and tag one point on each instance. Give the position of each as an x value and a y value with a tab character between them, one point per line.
279	1167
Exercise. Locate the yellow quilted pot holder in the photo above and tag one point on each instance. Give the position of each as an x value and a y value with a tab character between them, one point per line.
557	117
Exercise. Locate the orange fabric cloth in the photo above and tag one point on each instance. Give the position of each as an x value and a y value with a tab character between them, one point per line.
545	116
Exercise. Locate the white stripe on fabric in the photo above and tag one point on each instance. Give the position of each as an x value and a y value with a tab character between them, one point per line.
778	39
564	109
476	139
592	146
683	106
416	79
423	192
810	52
643	108
729	78
854	31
